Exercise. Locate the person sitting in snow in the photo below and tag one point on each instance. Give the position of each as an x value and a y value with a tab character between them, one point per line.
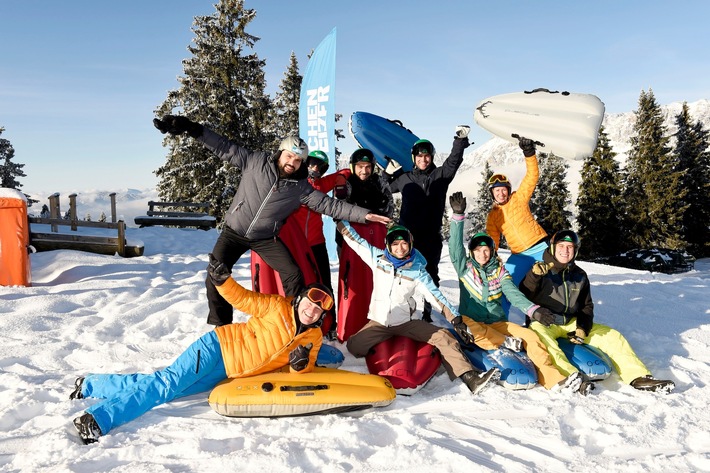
482	282
272	187
559	284
398	273
283	331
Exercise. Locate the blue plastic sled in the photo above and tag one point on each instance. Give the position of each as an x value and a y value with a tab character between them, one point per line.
384	137
588	359
329	357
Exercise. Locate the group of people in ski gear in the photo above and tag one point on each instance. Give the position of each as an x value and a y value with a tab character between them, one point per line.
553	292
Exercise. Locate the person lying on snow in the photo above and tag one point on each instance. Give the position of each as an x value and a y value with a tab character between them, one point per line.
281	331
483	280
399	271
559	284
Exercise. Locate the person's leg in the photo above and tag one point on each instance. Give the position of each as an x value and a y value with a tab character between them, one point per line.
367	337
548	336
202	360
228	249
518	266
614	344
547	373
430	247
320	252
485	336
276	255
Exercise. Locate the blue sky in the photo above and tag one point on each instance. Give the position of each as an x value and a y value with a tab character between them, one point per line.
79	80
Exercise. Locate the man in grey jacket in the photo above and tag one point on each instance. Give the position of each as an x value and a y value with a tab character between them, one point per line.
273	185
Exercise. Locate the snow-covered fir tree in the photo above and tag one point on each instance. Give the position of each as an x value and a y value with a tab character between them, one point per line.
551	200
693	162
9	170
223	87
599	219
480	206
102	217
286	102
653	193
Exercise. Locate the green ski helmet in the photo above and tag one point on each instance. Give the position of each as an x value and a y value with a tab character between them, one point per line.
422	146
482	239
319	158
399	232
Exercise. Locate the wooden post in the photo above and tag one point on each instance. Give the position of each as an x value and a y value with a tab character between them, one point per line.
121	238
113	206
72	211
54	209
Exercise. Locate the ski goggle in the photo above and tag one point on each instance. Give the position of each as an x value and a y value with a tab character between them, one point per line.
320	297
498	179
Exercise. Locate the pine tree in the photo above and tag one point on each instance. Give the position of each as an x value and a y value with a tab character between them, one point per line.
551	200
10	171
599	215
480	206
693	161
223	88
653	192
287	101
102	217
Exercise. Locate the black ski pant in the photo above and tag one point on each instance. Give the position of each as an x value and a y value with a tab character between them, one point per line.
320	253
229	247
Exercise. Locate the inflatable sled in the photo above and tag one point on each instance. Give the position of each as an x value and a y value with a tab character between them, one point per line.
516	369
385	138
588	359
566	123
281	394
329	357
355	281
408	365
267	281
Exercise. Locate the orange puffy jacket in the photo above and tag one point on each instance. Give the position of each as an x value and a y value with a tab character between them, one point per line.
514	219
262	343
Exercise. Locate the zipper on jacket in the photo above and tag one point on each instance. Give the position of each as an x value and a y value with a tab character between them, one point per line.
564	283
261	207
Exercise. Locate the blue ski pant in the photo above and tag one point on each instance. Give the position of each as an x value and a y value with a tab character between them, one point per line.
128	396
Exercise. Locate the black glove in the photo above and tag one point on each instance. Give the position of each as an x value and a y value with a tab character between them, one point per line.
217	271
177	125
527	145
461	330
544	316
577	337
458	203
298	358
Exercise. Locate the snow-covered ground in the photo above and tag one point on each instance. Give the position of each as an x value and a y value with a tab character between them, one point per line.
91	313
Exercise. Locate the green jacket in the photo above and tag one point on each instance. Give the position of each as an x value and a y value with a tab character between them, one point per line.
482	288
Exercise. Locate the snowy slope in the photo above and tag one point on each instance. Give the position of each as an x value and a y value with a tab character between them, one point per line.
97	313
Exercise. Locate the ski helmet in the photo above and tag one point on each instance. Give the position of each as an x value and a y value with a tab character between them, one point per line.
565	235
319	158
295	145
320	295
482	239
398	232
498	180
422	147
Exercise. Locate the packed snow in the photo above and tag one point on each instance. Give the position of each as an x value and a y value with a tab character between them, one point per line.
91	313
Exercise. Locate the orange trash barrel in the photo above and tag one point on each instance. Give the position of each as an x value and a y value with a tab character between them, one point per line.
14	239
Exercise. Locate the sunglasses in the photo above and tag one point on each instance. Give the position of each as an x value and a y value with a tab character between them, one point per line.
498	178
320	297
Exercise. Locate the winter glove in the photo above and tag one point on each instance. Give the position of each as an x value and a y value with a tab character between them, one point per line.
577	337
340	191
392	166
462	131
544	316
217	271
177	125
461	330
458	203
541	269
298	358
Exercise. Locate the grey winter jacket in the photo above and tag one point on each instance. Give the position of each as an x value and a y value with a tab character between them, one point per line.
263	200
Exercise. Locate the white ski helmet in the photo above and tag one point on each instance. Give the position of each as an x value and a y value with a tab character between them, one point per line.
295	145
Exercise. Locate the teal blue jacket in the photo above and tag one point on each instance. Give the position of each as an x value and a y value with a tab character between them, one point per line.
482	288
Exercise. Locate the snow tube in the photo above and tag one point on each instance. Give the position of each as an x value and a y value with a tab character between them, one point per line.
355	281
407	364
329	357
267	281
384	137
281	394
588	359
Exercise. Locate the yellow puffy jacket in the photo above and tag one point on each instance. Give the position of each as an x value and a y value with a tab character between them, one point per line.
262	343
514	219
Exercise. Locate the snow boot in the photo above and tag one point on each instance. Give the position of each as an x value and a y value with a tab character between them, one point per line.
513	344
649	383
426	313
76	394
586	386
476	380
570	384
88	429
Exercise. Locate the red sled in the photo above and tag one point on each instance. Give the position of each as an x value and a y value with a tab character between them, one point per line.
267	281
407	364
355	281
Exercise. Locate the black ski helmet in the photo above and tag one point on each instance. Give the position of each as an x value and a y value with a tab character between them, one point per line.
398	232
362	155
422	147
498	180
320	295
482	239
565	235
